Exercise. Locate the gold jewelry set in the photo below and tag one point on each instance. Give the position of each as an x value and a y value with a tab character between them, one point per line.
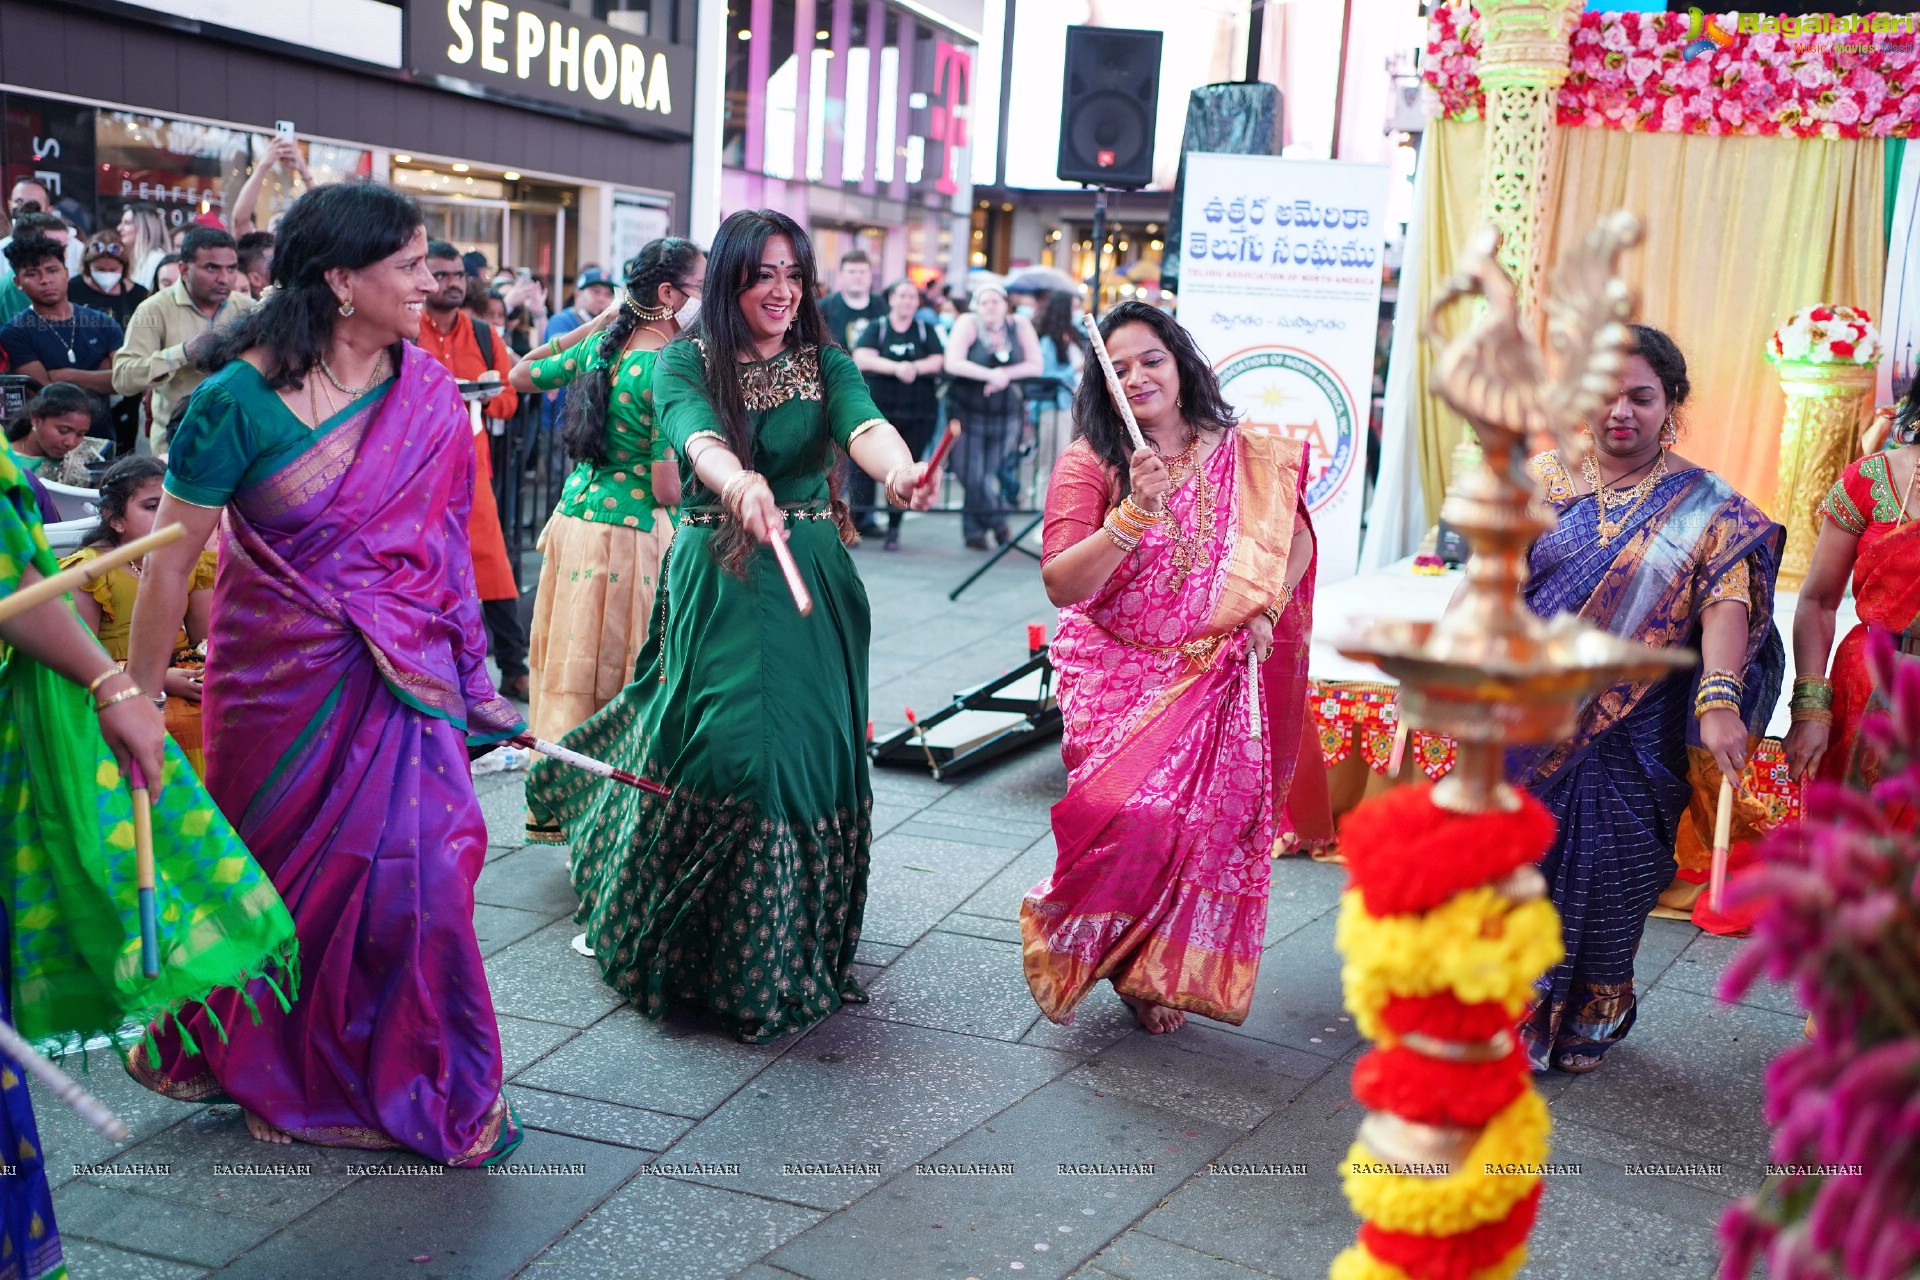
1812	700
646	315
315	390
1609	498
1127	523
1273	611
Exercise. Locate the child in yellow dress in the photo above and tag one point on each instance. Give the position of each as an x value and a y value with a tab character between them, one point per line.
129	497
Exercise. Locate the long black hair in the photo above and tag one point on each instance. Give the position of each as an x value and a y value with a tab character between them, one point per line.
55	400
343	224
1906	420
733	267
1662	355
663	261
117	487
1055	320
1097	420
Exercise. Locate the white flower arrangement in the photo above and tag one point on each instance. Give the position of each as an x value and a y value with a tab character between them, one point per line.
1827	334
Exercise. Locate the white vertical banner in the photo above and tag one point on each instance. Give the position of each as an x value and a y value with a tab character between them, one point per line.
1280	286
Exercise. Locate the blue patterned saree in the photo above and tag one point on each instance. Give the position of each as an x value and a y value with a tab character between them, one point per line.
1618	787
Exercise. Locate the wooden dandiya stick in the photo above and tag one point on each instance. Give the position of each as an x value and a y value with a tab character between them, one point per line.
82	576
599	768
777	539
1253	695
83	1104
143	870
1113	382
940	452
1722	831
921	730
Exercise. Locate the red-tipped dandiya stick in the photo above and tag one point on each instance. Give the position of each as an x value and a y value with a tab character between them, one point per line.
777	539
913	721
940	452
599	768
1722	833
143	871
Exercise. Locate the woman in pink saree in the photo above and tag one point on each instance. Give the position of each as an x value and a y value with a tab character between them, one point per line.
346	680
1184	572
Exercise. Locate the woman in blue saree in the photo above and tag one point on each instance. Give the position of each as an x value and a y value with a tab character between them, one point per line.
345	681
1660	550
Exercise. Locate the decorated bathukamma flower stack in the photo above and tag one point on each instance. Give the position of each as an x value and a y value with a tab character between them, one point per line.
1444	930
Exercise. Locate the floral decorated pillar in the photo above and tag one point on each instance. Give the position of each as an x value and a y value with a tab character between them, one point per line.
1828	357
1524	57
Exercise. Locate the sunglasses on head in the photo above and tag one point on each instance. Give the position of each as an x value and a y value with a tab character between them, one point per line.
96	250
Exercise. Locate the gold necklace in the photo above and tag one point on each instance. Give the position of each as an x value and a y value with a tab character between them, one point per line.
1189	545
354	393
1606	497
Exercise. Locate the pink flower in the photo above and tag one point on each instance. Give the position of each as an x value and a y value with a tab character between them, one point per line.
1641	69
1614	36
1811	74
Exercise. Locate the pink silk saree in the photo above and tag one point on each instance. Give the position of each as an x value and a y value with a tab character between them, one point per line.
1164	835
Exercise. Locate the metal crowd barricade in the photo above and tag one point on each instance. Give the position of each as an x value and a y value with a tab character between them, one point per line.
530	466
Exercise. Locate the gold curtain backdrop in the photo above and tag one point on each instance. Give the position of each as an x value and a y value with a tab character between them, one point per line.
1740	232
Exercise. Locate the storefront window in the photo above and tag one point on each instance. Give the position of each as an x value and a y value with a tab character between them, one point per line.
187	169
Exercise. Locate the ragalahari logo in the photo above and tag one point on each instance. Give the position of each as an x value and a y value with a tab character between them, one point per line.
1705	34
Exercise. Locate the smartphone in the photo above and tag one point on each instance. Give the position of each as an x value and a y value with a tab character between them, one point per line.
523	274
284	128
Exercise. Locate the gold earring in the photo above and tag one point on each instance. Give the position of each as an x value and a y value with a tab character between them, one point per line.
1669	433
346	308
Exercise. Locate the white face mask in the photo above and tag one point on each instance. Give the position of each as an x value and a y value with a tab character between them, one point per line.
687	314
1024	310
105	281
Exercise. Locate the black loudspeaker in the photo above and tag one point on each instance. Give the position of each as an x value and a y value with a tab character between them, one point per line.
1112	94
1240	119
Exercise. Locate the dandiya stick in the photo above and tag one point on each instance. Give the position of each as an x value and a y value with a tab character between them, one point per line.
1253	695
599	768
940	452
82	576
143	870
925	746
1401	732
777	539
1722	831
1113	382
83	1104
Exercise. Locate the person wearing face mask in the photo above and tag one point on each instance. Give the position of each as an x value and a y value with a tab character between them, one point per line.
1657	549
743	890
103	283
606	540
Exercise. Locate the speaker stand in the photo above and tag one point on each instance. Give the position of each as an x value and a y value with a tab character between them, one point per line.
1011	544
1099	249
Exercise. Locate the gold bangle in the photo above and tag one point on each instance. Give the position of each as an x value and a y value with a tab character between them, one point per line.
1140	513
1816	715
125	695
115	670
731	490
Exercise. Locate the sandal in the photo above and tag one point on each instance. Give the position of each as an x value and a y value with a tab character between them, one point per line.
1577	1064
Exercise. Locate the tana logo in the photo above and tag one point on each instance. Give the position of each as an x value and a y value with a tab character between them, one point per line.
1290	392
1704	34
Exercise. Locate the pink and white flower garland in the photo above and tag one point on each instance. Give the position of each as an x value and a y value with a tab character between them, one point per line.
1629	72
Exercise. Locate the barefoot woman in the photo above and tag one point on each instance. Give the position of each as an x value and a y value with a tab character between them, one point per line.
1169	563
346	678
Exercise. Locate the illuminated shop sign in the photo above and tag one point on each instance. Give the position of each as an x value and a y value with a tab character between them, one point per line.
540	52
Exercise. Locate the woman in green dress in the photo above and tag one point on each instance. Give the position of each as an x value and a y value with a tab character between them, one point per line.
604	544
742	891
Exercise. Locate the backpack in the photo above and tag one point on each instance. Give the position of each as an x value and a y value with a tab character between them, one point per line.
483	336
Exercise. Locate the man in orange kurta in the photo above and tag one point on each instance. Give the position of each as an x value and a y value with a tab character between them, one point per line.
456	341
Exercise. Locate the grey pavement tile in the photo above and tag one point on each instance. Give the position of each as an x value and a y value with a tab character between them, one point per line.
1297	999
1206	1059
1139	1256
761	1271
684	1066
1580	1235
1024	785
1301	892
1100	1020
66	1139
505	810
1690	1077
916	881
129	1220
1078	1168
1000	897
1010	824
666	1229
522	1043
89	1261
471	1223
543	978
1258	1213
201	1154
888	817
534	879
955	982
1701	966
1661	943
862	1092
994	929
1017	841
1662	1179
877	954
497	928
595	1120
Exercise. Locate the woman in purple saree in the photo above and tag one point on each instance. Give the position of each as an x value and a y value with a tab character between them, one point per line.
345	681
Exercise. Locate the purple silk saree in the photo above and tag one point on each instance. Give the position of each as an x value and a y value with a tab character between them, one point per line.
1166	830
345	677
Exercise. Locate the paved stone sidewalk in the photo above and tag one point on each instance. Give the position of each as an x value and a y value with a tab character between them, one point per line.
924	1134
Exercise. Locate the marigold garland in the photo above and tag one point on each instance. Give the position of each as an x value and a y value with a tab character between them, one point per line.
1471	1196
1405	853
1358	1264
1445	1016
1460	1095
1469	1255
1478	945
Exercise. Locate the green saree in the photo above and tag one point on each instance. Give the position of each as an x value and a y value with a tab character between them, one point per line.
67	854
742	891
